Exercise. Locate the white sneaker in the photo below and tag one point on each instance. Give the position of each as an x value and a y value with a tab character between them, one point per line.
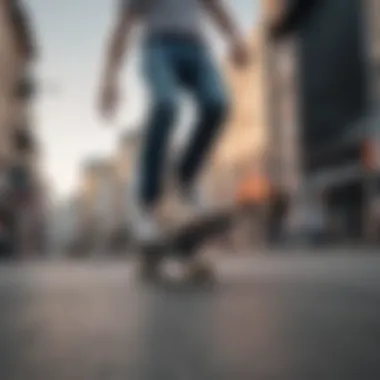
194	200
142	221
144	225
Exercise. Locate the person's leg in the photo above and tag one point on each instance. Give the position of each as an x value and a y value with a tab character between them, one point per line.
199	75
161	81
146	187
206	84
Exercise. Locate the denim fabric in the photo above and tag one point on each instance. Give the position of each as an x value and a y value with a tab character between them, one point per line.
172	65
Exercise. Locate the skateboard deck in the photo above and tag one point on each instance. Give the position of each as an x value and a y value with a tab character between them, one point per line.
185	241
186	238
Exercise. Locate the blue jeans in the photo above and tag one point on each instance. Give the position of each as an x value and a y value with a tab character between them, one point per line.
172	65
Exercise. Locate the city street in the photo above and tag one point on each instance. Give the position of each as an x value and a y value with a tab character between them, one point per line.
288	318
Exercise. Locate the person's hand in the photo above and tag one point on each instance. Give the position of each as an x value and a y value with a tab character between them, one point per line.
240	54
109	100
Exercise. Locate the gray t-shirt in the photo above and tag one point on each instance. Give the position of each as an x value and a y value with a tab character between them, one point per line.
170	16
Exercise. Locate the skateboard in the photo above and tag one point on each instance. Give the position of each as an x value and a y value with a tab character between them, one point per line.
185	241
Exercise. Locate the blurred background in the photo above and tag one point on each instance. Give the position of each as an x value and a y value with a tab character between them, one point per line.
296	170
298	160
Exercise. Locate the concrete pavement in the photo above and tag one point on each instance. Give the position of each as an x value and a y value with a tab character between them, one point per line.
267	318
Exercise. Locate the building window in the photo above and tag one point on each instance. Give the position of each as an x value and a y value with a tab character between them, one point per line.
25	89
23	141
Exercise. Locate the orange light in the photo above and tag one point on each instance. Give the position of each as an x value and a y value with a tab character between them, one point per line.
253	189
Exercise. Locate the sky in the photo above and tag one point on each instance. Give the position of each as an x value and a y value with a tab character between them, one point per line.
72	36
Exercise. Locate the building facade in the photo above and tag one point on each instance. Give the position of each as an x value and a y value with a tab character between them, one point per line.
243	144
19	153
103	195
65	227
336	61
126	160
17	53
98	203
372	13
